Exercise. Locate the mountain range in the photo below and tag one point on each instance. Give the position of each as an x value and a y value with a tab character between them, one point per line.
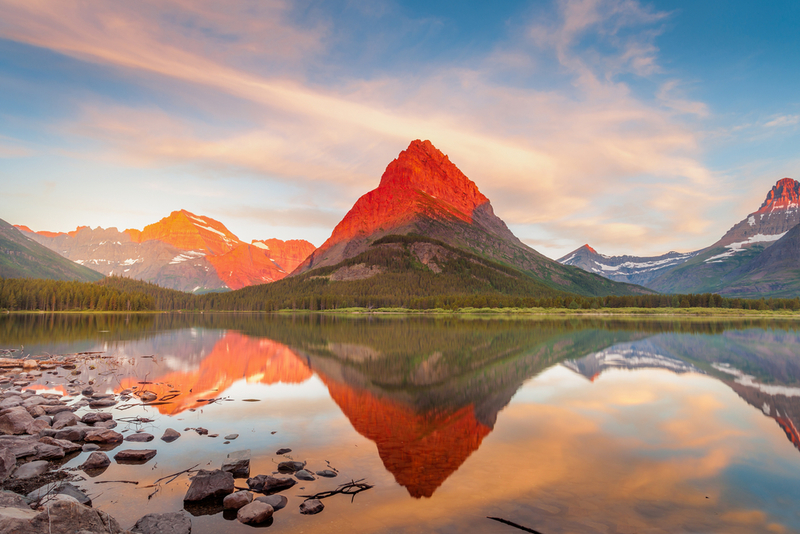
425	220
758	257
183	251
427	224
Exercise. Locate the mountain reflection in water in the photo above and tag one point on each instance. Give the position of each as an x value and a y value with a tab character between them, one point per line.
428	391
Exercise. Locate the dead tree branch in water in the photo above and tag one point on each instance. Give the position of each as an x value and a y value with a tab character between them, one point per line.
352	488
512	524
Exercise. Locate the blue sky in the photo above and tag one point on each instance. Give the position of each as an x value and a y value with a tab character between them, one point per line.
637	127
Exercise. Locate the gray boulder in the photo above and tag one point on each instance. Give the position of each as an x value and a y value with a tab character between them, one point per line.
238	464
277	502
170	435
236	500
270	484
311	507
32	469
209	485
169	523
254	513
15	421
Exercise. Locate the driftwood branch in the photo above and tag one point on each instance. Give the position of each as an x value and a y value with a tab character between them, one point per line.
512	524
352	488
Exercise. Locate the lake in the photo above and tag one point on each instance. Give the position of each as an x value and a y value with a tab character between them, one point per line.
557	424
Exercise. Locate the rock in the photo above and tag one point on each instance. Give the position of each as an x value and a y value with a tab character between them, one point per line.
64	419
30	364
202	431
140	437
54	409
231	436
105	424
254	513
102	436
68	446
73	433
87	391
238	464
290	467
169	523
19	446
209	484
134	456
277	502
148	396
31	469
37	426
95	462
283	451
45	451
170	435
37	411
236	500
311	507
89	447
62	515
327	473
95	417
9	499
8	460
304	475
15	421
62	488
270	484
102	403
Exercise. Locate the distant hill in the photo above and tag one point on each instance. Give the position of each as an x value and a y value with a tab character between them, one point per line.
732	266
758	257
21	257
423	193
183	251
631	269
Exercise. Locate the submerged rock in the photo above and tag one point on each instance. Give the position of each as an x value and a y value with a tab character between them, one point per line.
277	502
95	462
304	475
290	467
270	484
134	456
140	437
170	435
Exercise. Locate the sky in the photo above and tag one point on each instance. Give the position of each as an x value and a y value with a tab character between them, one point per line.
637	127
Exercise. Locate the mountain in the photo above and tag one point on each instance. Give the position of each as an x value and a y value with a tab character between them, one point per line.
733	266
423	193
632	269
22	257
183	251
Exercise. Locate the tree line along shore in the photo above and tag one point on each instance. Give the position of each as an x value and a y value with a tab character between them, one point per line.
115	294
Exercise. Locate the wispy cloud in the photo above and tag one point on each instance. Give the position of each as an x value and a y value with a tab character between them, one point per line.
782	120
544	156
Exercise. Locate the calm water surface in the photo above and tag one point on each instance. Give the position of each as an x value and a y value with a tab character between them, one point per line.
560	425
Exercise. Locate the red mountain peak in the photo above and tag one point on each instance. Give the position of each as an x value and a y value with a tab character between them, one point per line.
784	195
188	231
424	168
590	249
421	181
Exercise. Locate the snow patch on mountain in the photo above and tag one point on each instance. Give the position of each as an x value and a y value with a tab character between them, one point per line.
733	248
749	381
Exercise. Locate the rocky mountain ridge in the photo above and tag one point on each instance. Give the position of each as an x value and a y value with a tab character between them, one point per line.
183	251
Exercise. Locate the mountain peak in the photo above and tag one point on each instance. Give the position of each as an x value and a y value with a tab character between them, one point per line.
424	168
590	249
188	231
785	194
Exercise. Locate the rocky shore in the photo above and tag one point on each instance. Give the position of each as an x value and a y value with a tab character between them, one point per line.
41	431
